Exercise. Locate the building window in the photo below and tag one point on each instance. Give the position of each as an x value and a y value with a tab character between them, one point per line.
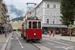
47	20
57	5
54	6
54	20
47	13
51	5
47	5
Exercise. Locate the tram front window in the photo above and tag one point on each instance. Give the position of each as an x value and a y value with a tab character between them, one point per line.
29	25
34	25
39	25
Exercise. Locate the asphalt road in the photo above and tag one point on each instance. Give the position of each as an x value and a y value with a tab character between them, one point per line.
47	43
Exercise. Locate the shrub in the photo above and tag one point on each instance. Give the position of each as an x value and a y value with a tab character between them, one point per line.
67	34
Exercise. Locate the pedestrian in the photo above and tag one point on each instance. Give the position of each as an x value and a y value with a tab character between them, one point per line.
50	33
6	27
53	33
1	28
3	31
45	32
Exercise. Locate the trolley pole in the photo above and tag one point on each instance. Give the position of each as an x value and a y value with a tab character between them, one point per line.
27	7
27	10
35	10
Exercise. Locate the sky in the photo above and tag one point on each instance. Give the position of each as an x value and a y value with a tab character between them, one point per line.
19	4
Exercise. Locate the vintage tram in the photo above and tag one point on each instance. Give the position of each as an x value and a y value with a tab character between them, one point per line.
32	29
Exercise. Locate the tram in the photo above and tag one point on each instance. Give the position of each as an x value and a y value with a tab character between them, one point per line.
32	29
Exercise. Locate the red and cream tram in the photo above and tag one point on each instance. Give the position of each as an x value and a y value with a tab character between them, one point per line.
32	29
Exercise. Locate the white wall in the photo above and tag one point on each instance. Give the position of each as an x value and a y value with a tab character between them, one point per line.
44	13
51	13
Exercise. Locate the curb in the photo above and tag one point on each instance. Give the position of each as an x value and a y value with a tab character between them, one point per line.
4	46
68	40
63	39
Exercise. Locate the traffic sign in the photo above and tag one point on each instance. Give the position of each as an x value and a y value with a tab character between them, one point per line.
70	26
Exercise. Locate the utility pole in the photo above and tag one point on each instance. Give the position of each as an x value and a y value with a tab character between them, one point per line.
70	27
70	32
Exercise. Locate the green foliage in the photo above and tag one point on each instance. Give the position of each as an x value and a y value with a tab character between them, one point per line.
68	11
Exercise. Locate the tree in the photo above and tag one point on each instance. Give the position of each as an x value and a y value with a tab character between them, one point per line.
67	9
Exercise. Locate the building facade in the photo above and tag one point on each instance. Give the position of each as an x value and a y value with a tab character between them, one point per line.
3	12
49	12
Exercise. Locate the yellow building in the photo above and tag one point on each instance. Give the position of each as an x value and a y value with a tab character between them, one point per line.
3	12
19	25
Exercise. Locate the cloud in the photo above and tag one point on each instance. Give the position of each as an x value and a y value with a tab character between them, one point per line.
14	12
12	15
20	6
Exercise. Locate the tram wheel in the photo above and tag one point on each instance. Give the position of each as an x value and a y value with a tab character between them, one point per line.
21	35
38	40
24	37
33	40
27	40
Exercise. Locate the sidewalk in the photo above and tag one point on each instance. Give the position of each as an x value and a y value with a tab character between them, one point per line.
62	37
3	40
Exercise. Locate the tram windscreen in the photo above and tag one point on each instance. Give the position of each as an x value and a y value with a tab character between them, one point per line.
39	25
34	25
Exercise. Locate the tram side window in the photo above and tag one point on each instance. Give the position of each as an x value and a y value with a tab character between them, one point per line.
34	25
22	26
29	25
39	25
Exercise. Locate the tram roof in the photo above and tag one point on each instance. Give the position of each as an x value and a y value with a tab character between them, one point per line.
33	20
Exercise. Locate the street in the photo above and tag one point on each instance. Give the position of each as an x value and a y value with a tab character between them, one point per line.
37	25
47	43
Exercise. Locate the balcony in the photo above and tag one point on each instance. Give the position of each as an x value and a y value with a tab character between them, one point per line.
4	6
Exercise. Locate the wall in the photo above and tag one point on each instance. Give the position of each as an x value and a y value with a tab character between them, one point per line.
51	13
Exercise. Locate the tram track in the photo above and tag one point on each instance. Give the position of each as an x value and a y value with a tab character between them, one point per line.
35	46
41	46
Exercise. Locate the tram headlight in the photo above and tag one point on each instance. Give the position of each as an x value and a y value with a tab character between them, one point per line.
34	34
